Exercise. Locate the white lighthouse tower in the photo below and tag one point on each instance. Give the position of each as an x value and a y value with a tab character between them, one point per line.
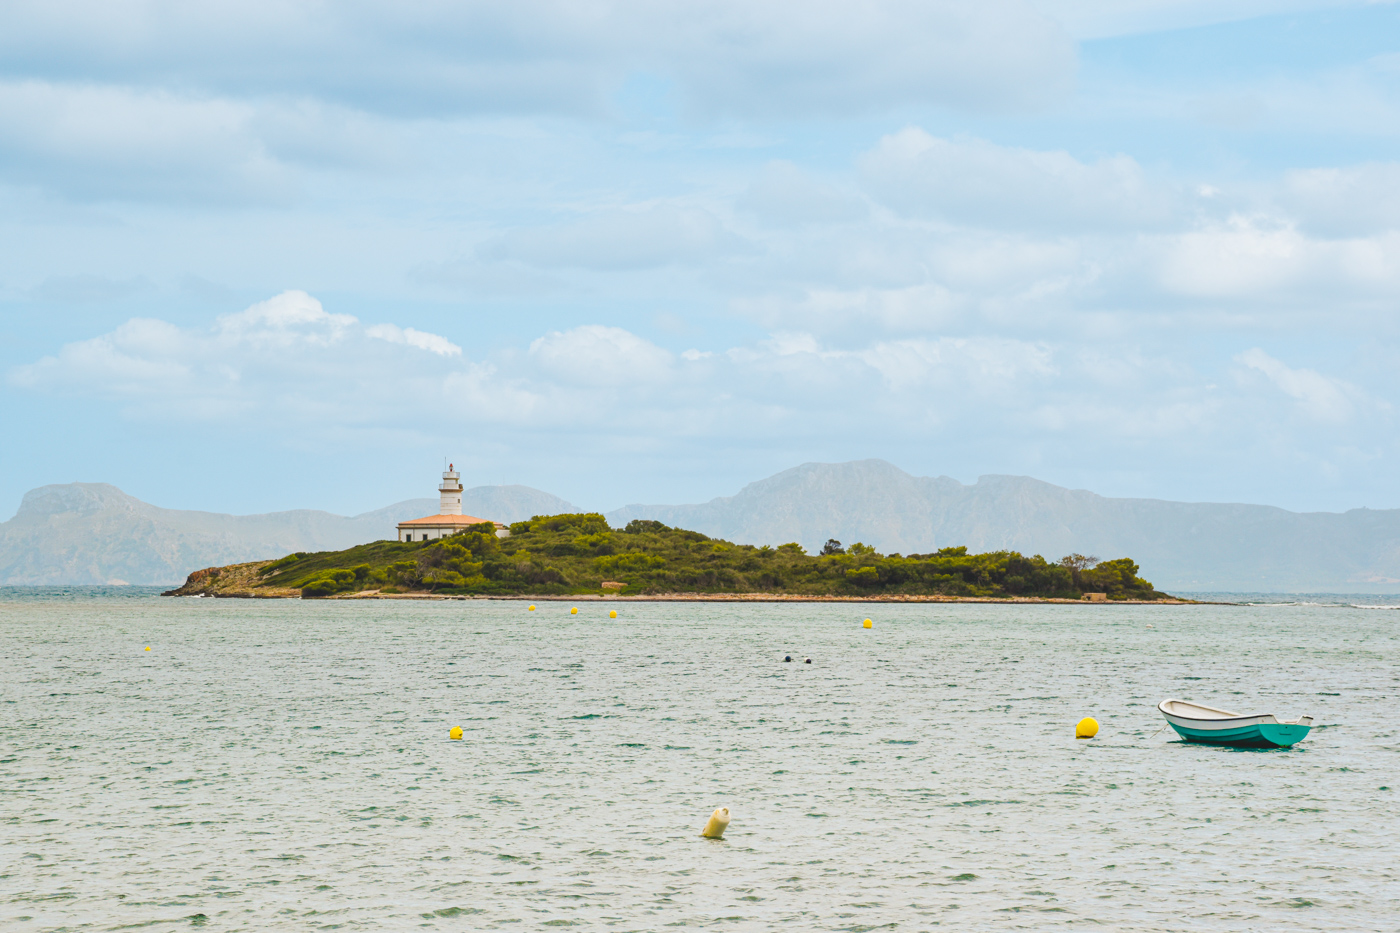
451	492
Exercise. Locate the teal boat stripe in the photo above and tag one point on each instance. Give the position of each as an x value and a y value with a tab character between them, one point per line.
1280	735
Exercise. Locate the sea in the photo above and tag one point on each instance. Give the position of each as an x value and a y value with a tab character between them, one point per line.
228	764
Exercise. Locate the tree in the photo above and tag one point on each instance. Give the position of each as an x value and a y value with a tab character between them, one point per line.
1080	569
1078	562
832	546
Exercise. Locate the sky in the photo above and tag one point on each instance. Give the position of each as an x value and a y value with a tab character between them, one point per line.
269	255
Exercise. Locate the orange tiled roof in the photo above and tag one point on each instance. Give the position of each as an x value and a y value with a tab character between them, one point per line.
452	520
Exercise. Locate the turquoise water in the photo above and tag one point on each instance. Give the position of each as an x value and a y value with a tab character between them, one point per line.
285	765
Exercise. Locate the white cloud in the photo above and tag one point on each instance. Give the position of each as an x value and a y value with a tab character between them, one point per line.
426	57
414	338
785	194
243	361
914	308
991	367
95	142
1357	199
289	357
1094	19
103	141
285	320
783	57
599	356
640	238
1319	397
974	182
1253	259
142	356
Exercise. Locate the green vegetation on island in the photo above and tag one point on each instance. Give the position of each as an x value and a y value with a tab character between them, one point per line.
581	554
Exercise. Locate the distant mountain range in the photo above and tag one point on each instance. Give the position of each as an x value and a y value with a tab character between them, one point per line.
95	533
1180	545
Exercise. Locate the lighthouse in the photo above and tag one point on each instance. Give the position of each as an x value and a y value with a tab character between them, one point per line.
449	519
451	492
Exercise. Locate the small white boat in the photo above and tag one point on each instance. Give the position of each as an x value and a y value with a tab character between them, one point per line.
1197	723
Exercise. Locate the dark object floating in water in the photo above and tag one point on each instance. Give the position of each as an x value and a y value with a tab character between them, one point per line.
787	658
1196	723
806	660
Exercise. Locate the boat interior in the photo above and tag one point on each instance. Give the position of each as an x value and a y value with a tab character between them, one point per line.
1196	711
1188	710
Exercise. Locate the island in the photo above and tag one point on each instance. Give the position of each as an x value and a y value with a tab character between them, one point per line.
579	555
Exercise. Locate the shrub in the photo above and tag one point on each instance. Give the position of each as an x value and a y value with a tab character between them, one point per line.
630	563
281	563
547	575
444	579
864	576
321	586
583	523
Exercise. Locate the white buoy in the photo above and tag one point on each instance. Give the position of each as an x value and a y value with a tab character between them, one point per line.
717	824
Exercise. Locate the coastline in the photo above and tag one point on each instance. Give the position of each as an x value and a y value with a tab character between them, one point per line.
704	598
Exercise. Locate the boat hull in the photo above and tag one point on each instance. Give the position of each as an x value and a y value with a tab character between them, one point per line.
1252	735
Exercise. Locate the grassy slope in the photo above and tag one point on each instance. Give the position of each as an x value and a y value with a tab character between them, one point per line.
563	554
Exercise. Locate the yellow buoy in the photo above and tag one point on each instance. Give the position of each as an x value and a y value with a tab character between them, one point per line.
1087	728
613	614
717	824
573	611
148	647
455	732
868	624
532	607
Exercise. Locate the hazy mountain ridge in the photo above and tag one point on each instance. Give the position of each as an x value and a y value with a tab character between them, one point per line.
1181	545
95	533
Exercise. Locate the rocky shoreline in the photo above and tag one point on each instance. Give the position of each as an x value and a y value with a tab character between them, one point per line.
239	581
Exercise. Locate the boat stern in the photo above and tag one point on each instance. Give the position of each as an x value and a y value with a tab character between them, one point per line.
1284	734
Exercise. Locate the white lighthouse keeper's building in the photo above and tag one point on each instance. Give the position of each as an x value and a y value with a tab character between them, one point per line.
449	519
